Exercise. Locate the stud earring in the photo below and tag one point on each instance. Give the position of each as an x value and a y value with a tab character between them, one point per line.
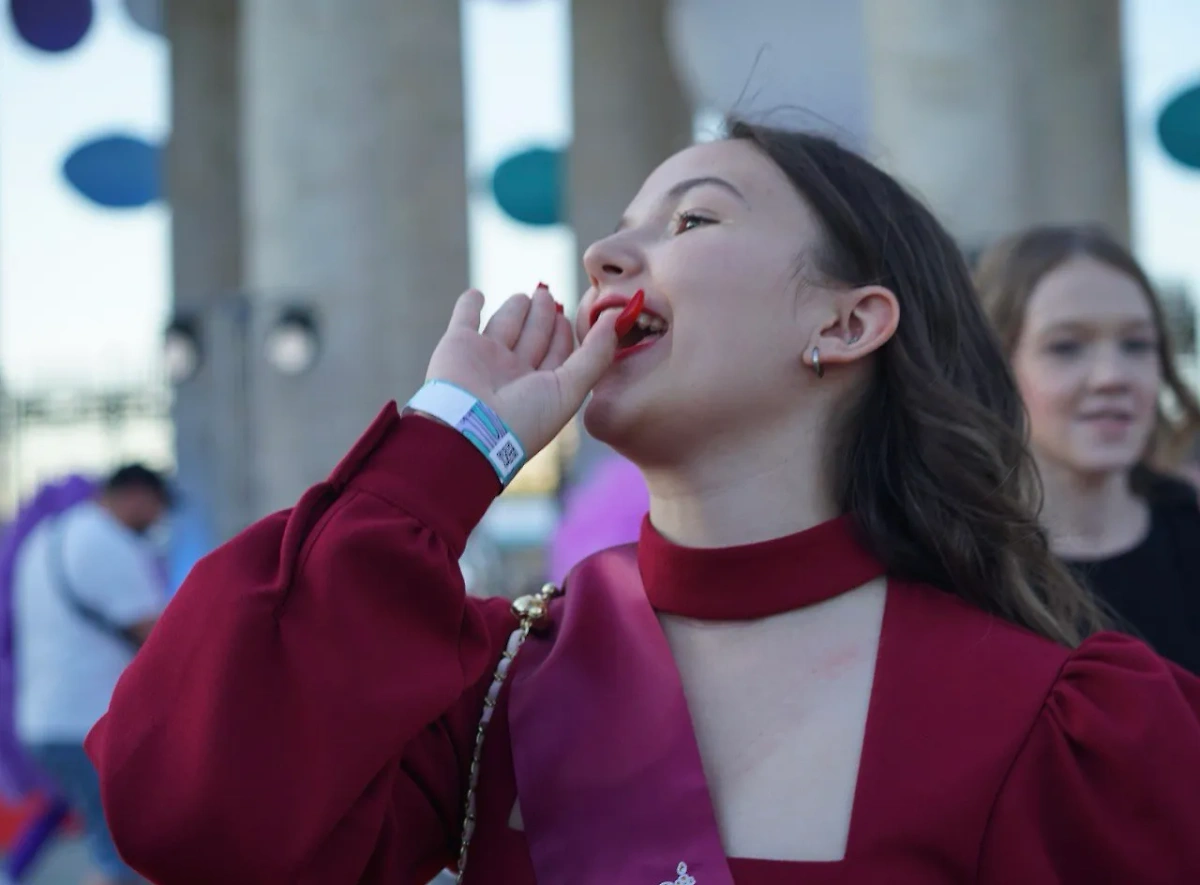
817	368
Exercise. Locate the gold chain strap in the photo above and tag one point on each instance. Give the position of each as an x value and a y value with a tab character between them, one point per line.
530	610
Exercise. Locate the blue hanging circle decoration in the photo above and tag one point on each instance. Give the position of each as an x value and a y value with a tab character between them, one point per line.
116	171
51	25
529	186
1179	127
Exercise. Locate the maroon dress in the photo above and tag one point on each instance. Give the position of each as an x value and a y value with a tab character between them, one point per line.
306	709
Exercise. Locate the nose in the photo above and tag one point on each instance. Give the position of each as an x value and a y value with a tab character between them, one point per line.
1109	368
616	257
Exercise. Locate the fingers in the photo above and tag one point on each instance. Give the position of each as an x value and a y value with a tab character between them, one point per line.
538	331
506	323
562	342
580	372
468	310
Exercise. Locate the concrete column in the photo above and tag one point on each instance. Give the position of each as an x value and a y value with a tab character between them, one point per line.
355	204
1003	113
629	114
203	186
629	111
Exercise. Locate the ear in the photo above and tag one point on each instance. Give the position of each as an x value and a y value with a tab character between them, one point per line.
864	320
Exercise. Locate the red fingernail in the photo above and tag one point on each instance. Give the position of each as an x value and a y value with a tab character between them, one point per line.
542	286
558	307
629	315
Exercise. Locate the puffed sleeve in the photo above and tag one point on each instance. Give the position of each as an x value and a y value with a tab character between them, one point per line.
1107	785
305	711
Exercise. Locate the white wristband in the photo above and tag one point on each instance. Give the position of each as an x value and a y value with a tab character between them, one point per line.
452	405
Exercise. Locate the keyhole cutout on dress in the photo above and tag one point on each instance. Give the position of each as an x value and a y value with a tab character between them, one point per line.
779	707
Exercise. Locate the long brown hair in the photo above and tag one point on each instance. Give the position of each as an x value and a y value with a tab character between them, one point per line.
1009	272
931	461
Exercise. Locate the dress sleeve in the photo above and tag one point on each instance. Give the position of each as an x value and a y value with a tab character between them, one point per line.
304	710
1107	786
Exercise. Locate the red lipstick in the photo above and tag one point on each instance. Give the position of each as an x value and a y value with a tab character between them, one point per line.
629	315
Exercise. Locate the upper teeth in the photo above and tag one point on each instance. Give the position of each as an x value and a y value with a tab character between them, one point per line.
651	323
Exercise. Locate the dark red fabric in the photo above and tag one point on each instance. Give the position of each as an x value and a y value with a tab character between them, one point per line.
293	717
305	710
824	561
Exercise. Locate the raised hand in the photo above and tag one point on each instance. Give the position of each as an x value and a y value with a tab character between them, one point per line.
524	364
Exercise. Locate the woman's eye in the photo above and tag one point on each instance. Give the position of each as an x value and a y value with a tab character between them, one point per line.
686	221
1065	348
1139	346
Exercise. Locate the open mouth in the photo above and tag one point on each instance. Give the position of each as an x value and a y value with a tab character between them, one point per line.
1109	415
637	327
646	330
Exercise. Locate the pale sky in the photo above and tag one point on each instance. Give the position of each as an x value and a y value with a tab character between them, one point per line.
84	292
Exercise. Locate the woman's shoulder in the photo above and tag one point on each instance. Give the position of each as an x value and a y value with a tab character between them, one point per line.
1108	665
982	645
1111	763
982	660
1014	721
979	682
997	680
975	641
1170	493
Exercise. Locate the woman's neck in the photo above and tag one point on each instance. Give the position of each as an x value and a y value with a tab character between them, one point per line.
1091	516
742	494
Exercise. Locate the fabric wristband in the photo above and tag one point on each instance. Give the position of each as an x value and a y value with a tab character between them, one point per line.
452	405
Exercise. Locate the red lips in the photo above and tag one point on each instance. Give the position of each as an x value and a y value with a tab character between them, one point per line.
630	311
629	315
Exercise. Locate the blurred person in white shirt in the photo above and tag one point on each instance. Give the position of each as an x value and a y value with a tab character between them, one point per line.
86	595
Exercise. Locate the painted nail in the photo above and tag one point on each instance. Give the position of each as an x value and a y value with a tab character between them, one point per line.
558	308
542	286
629	315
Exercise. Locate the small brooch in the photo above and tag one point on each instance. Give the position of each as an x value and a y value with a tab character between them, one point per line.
684	878
533	611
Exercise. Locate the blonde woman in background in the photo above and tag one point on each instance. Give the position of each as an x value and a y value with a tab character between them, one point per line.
1090	348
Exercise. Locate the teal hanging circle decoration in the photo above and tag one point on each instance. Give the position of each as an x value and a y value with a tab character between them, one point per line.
529	186
116	171
1179	127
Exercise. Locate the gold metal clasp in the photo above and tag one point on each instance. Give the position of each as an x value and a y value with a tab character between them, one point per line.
532	610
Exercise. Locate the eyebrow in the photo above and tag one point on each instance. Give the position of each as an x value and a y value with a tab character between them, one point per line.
1127	325
678	191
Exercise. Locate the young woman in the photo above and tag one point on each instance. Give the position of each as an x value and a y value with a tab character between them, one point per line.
1091	352
840	652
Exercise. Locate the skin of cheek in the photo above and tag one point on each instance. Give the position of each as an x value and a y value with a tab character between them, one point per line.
1050	400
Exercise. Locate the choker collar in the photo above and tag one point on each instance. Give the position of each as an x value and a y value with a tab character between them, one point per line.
754	580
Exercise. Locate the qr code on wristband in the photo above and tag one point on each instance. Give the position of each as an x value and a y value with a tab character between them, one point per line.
507	455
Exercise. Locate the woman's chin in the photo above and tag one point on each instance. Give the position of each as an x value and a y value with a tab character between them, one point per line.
601	417
1097	461
611	415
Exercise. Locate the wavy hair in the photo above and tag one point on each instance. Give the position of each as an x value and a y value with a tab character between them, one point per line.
931	462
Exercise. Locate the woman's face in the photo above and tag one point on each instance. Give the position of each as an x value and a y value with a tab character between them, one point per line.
1088	367
713	239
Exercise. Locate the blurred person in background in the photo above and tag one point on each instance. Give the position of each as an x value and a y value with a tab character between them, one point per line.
21	780
1092	355
86	595
842	521
604	509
